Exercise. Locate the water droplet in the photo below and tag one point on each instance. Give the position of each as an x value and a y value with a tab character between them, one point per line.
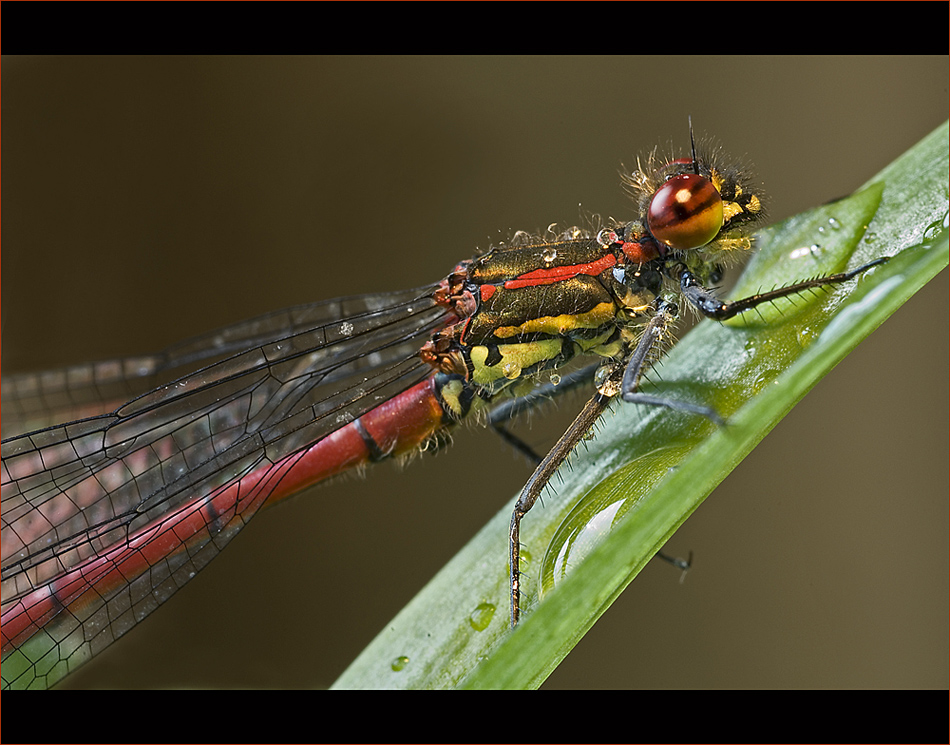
555	379
573	233
511	370
607	237
834	224
399	663
481	616
594	516
806	335
870	237
805	251
932	231
763	378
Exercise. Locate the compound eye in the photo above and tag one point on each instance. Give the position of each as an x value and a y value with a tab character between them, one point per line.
686	212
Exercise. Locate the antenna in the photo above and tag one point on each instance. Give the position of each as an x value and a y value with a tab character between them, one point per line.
692	144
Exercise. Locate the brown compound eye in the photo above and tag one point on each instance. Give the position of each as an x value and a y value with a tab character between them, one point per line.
686	212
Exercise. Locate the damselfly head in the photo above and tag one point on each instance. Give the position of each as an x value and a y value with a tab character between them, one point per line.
701	203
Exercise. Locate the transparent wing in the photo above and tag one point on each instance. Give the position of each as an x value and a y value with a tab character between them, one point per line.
37	400
105	517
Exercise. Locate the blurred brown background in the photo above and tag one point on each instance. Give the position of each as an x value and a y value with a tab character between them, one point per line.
148	199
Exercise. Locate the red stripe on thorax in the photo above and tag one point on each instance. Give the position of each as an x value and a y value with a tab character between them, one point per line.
559	273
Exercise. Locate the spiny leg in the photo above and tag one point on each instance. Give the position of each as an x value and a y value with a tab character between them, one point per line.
616	376
712	307
539	479
641	358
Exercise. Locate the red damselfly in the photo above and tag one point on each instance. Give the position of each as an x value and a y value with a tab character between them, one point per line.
105	517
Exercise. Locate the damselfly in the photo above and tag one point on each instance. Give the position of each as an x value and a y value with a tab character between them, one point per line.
105	517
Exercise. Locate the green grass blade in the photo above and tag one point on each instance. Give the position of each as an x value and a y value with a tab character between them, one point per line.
648	469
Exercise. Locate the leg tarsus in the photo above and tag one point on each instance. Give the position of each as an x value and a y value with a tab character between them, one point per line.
682	564
635	397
